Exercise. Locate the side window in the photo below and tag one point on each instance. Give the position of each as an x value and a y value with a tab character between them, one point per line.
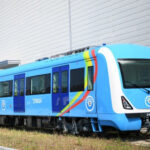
10	87
1	89
21	87
90	78
38	84
28	86
55	82
64	82
48	83
16	88
6	89
77	80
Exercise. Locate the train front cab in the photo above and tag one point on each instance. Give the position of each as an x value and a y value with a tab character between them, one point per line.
123	87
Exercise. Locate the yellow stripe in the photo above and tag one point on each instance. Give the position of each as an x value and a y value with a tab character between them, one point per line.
87	59
88	62
72	101
85	55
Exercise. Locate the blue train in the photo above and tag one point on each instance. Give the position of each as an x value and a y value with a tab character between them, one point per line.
83	90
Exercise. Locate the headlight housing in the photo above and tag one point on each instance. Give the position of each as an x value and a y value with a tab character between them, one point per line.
125	103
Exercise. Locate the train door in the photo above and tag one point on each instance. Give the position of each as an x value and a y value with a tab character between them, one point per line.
60	90
19	93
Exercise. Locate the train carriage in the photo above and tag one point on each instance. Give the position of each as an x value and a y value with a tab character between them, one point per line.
82	90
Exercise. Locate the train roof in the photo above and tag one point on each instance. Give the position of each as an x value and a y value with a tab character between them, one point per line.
118	50
62	60
129	51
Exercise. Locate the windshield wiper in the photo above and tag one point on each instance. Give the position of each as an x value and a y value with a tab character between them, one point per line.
146	90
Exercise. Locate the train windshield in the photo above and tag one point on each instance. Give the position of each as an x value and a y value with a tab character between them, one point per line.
135	73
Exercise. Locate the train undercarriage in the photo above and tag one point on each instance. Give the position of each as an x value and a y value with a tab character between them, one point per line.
145	119
64	125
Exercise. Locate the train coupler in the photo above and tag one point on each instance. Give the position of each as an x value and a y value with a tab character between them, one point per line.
146	126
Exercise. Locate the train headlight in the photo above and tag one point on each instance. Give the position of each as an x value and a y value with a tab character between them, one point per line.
125	103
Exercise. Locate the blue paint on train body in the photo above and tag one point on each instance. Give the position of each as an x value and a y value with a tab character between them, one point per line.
102	103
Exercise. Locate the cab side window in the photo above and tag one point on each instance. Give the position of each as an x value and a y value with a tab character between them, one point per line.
90	78
77	80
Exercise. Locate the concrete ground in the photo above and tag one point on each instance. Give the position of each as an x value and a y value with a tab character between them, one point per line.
145	142
6	148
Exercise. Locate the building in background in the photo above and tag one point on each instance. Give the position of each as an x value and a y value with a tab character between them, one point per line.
34	29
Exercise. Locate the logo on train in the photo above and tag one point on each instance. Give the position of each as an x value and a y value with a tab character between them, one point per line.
147	101
89	103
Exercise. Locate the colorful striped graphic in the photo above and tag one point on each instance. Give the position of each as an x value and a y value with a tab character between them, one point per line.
88	62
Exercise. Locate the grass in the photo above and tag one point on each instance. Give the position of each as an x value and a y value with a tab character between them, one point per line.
34	140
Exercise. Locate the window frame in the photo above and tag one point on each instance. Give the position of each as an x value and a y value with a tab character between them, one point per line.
16	92
10	86
46	88
22	87
57	88
67	88
71	82
91	78
123	76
